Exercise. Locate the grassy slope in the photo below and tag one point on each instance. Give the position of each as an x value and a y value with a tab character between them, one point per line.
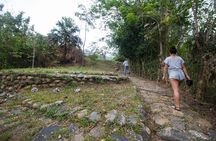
99	66
101	98
93	97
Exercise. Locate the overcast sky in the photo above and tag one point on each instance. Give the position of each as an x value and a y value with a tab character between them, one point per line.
44	14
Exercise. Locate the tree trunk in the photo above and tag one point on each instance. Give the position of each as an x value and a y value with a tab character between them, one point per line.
65	54
33	57
161	58
163	30
83	59
195	25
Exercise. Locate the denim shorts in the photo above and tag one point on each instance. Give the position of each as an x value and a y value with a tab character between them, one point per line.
176	74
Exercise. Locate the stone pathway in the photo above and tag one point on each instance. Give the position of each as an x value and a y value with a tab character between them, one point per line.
169	124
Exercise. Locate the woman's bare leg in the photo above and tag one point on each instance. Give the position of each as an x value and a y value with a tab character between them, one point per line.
175	87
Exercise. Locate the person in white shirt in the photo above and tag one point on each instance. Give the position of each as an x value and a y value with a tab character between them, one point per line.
126	67
176	70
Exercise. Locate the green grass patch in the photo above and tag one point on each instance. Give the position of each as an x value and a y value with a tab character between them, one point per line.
51	111
101	97
53	70
11	119
98	67
64	132
1	113
5	136
28	134
84	122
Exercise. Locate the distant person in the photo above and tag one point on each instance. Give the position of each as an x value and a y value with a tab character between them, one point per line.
176	70
126	67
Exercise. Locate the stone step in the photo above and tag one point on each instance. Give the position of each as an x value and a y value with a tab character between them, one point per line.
170	124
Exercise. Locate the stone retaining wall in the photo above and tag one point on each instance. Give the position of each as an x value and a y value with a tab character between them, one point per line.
15	81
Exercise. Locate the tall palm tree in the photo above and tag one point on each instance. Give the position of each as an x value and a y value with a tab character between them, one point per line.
64	35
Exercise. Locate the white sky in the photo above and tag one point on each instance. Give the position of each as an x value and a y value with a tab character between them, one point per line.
44	14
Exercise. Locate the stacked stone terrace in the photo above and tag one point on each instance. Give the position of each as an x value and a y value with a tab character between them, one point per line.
11	82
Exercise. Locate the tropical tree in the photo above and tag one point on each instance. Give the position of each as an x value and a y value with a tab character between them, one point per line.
204	48
64	36
87	17
43	54
141	29
14	32
20	45
144	30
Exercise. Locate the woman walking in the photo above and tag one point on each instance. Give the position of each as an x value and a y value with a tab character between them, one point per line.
176	70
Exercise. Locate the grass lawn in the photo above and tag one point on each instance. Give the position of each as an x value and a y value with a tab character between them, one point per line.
100	98
98	67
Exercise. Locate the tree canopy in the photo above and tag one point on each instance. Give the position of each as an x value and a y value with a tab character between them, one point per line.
144	30
64	36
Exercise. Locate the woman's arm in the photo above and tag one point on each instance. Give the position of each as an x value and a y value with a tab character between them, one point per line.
165	71
185	72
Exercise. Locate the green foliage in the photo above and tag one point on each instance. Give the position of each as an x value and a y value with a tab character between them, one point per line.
131	18
144	30
64	36
13	38
93	58
119	58
62	116
85	122
44	53
18	40
51	111
56	112
5	136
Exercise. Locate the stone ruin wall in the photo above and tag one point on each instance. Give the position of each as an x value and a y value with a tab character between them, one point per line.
13	82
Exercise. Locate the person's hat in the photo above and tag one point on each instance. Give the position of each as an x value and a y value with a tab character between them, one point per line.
189	82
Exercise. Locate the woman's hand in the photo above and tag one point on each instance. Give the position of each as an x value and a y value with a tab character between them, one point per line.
187	77
185	72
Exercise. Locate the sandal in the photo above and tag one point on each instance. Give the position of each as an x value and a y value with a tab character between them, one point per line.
176	108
